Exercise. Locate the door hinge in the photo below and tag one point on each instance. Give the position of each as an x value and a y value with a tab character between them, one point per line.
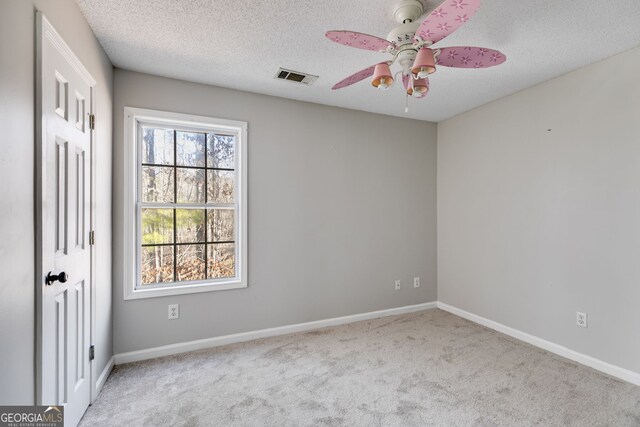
92	237
92	121
92	353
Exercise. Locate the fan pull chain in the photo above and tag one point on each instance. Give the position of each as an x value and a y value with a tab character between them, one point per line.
406	103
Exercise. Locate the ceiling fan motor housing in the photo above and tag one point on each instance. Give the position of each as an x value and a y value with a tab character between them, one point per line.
403	33
402	36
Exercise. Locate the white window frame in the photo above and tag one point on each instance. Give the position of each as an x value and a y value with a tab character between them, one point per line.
131	253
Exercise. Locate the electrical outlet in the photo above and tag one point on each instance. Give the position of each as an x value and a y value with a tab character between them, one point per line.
581	319
174	311
397	285
416	282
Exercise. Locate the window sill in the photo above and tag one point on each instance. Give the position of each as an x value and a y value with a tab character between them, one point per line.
153	292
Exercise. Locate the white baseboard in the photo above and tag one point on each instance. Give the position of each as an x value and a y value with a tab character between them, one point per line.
167	350
105	374
607	368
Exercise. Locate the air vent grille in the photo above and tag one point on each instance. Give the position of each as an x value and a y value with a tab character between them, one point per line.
296	76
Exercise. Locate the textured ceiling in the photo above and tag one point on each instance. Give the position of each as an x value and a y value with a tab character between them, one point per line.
241	43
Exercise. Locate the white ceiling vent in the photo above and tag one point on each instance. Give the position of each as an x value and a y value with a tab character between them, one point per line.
296	76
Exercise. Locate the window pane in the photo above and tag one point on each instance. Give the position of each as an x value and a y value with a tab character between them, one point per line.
221	151
220	223
190	185
190	262
157	146
157	184
220	186
221	260
157	226
190	149
157	264
190	225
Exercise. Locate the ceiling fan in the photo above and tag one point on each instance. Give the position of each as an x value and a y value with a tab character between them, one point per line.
411	45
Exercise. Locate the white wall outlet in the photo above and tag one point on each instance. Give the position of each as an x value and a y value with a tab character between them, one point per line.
581	319
416	282
174	311
397	285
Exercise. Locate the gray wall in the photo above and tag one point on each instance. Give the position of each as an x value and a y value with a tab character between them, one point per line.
539	210
341	203
17	281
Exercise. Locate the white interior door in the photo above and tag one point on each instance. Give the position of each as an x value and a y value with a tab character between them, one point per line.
64	100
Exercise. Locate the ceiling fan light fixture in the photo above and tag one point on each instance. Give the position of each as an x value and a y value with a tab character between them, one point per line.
418	88
382	77
424	63
410	44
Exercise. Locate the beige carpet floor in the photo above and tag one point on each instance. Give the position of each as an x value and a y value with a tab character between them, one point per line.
421	369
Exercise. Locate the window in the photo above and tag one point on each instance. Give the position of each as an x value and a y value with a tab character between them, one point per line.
185	225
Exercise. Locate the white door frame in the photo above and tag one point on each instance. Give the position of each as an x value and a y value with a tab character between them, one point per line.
44	30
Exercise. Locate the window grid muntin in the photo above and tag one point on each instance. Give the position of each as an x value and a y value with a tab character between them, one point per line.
175	205
189	167
221	242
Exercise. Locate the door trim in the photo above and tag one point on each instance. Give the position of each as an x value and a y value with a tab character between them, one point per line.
45	31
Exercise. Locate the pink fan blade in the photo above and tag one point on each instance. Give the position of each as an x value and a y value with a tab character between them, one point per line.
359	40
447	18
355	78
470	57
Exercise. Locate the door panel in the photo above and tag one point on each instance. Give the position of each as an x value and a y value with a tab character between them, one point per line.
80	345
61	191
80	202
61	348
